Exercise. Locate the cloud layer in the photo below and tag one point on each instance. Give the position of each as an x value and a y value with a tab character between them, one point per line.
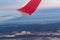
15	4
8	7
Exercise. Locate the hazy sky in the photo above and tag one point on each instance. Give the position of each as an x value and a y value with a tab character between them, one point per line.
8	8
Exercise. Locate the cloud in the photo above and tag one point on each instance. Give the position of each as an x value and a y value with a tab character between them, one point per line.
9	7
7	2
9	14
50	4
18	4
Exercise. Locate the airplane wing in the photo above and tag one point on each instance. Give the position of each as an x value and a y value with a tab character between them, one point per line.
30	7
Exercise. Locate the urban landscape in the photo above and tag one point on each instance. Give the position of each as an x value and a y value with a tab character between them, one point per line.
26	35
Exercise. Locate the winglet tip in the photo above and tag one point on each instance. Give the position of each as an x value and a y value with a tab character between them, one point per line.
24	12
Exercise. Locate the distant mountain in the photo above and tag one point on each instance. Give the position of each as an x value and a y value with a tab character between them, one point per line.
34	23
44	16
29	27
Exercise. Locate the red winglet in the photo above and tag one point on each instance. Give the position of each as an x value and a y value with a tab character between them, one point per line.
30	7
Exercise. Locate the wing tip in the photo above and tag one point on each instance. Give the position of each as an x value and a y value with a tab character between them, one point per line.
24	12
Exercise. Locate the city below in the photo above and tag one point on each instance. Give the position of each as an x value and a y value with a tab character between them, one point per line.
30	34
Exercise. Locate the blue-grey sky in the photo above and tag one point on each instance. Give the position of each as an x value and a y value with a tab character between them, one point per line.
8	9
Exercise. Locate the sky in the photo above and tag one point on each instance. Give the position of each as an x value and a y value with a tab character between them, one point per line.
8	9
